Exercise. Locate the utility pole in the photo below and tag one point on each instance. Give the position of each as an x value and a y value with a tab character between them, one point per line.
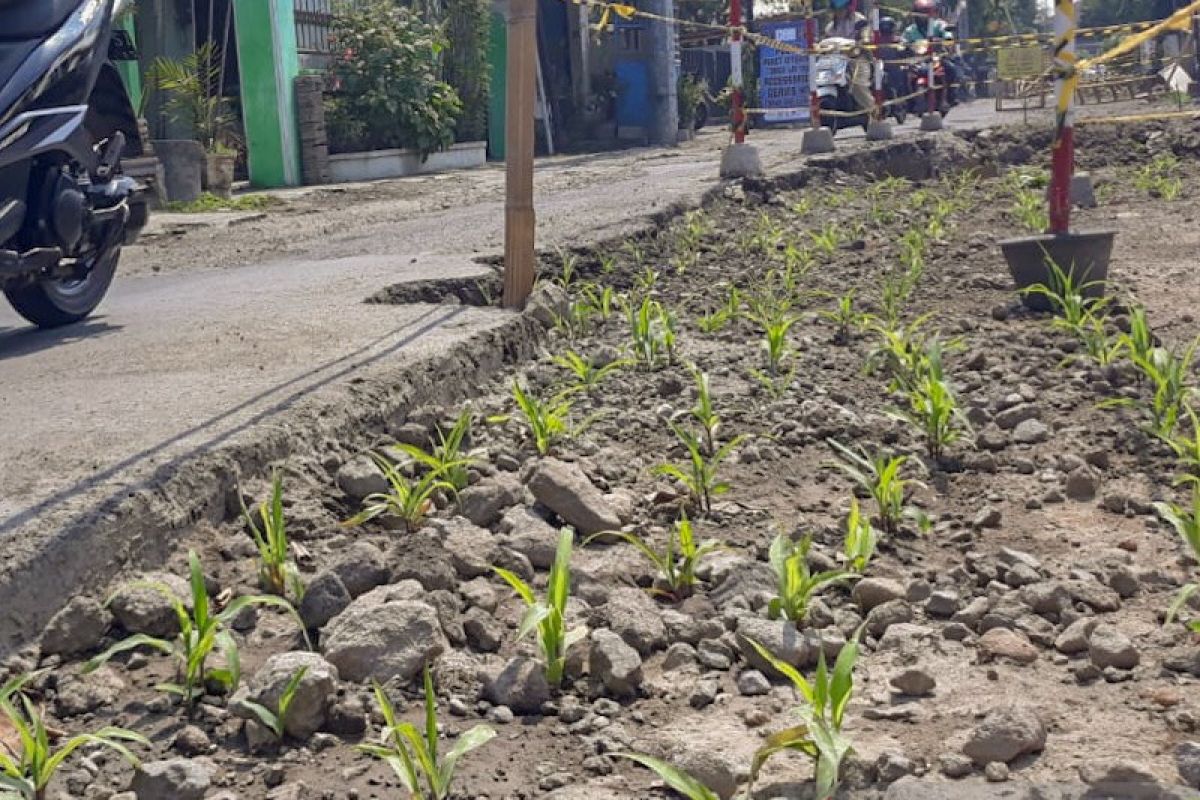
520	220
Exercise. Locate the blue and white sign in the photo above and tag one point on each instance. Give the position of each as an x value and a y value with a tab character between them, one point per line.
782	76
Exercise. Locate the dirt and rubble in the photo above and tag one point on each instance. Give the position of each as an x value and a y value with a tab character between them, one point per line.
1016	647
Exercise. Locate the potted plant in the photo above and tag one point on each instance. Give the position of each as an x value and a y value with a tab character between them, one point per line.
193	88
690	93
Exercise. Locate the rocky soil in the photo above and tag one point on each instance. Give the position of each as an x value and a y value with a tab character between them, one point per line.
1016	645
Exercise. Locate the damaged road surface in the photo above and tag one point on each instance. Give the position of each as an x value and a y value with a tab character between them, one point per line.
253	343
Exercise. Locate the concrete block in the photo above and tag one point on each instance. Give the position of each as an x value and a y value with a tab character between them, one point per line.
879	131
741	161
1083	193
931	122
816	141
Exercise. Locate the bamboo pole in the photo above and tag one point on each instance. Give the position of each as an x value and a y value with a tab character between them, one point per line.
520	220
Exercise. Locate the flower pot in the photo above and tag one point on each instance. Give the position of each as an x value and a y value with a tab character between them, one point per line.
1084	256
218	173
183	168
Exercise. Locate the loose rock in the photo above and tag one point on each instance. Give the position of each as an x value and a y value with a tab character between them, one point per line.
380	638
1108	647
175	779
76	629
615	664
1005	734
521	686
565	490
310	704
1009	644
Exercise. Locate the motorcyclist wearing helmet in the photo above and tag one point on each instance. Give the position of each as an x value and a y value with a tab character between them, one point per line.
847	23
927	26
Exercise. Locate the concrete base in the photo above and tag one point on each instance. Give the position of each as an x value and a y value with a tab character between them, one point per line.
931	122
741	161
879	131
816	141
378	164
1083	193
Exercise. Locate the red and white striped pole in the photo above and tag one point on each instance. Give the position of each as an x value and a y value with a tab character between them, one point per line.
1064	139
877	40
735	67
810	32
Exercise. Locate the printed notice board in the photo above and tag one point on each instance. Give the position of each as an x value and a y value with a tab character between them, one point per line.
1014	63
783	76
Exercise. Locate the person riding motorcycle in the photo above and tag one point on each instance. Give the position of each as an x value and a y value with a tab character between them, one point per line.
849	24
927	26
892	53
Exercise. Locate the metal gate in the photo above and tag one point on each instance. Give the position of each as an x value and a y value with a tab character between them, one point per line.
312	25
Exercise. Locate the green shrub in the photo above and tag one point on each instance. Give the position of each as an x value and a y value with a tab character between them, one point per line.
388	93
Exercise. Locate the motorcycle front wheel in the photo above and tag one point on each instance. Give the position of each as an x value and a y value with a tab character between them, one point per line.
52	303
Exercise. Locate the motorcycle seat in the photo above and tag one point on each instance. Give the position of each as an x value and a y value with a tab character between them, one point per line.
32	19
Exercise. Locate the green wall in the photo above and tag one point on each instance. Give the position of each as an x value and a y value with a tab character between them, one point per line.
269	64
498	58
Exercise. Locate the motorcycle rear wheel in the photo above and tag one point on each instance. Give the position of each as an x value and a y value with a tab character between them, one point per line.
54	303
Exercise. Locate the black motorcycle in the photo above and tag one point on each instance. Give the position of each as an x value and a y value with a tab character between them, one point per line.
65	124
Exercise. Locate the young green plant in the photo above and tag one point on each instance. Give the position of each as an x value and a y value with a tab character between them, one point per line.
823	712
686	785
409	499
275	719
202	632
277	572
652	329
1186	522
796	584
844	318
584	370
879	477
548	616
699	473
678	561
414	755
861	539
30	763
548	421
932	407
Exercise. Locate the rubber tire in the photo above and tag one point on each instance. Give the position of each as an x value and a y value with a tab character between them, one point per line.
829	104
49	304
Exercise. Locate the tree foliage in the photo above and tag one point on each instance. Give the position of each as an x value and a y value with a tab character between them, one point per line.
1095	13
388	90
1003	17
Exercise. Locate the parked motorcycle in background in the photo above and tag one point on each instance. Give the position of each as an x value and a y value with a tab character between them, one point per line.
928	52
833	77
66	121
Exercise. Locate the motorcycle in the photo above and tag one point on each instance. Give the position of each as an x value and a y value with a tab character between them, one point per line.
832	79
919	76
66	122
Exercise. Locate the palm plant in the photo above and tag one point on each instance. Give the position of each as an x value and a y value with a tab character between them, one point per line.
193	87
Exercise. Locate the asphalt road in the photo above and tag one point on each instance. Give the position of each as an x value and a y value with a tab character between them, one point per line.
213	329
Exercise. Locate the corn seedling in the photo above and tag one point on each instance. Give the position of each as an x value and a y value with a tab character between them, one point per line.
879	477
704	412
1160	178
1140	341
277	572
1068	298
678	780
447	457
699	473
275	720
1166	372
636	254
775	343
802	207
408	498
768	235
796	585
568	266
584	370
414	755
1029	211
823	712
1186	522
577	320
1101	347
548	616
861	539
202	631
652	329
844	318
1187	448
601	301
645	281
899	353
608	264
932	406
548	421
827	240
27	768
677	562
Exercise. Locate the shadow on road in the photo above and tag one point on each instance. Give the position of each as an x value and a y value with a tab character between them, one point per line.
17	342
408	333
